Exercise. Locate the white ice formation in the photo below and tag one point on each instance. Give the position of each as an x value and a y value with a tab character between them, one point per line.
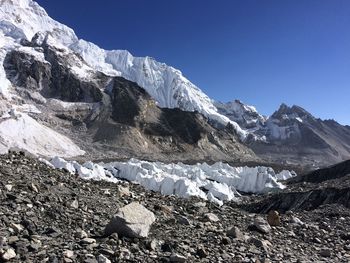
218	182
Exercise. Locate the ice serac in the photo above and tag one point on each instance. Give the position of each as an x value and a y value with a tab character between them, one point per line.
217	183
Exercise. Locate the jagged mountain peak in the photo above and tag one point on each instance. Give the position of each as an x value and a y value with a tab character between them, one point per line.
245	115
293	112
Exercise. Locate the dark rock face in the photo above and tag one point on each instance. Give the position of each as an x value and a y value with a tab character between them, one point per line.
329	173
65	85
27	71
52	78
306	192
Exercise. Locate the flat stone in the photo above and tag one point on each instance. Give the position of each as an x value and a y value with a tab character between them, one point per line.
102	259
68	253
88	240
325	252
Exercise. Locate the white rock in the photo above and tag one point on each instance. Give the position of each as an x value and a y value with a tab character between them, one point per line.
68	253
75	204
102	259
9	254
9	187
177	258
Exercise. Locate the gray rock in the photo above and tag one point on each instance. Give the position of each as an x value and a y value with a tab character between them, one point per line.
265	244
152	244
9	187
68	253
184	221
75	204
202	253
325	252
177	258
124	253
262	225
211	217
132	220
123	191
88	240
235	232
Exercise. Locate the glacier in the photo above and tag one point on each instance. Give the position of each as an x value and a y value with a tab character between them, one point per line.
218	182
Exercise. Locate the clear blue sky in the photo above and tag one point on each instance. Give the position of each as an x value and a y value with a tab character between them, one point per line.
263	52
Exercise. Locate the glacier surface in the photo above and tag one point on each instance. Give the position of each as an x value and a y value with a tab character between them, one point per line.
217	183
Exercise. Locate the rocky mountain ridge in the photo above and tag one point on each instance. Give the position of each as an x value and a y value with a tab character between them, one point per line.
291	135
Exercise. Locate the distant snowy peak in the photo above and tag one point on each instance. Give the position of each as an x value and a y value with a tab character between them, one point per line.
291	113
245	115
24	18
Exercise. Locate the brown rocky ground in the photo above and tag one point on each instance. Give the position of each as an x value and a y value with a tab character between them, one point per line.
51	216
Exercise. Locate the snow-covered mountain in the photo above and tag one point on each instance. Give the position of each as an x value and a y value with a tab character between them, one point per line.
291	134
83	97
245	115
24	18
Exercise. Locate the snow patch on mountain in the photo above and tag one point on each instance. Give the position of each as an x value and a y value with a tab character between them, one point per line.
218	182
245	115
19	130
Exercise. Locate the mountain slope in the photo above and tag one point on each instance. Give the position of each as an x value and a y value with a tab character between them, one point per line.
293	134
108	116
164	83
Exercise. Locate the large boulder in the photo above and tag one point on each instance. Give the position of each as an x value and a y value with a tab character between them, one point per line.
132	220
